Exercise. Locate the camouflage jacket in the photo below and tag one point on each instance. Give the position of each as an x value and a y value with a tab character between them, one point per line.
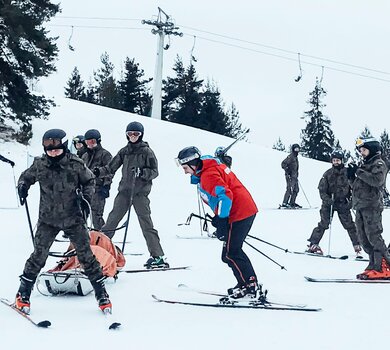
58	183
291	165
335	182
368	184
130	157
95	158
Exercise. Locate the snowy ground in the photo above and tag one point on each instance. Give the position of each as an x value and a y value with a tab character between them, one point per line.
353	315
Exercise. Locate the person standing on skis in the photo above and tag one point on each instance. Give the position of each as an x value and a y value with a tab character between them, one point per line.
234	210
290	165
335	192
66	187
367	184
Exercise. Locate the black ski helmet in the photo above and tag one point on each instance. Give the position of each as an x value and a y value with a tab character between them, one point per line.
78	139
338	154
189	155
53	139
294	146
135	126
371	143
93	134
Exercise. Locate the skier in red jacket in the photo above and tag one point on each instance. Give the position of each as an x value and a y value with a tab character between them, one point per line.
234	211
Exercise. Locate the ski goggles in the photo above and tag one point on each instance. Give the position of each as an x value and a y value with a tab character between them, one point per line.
52	142
77	140
134	133
186	160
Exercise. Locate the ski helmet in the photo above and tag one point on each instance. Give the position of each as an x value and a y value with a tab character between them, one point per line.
53	139
294	147
219	151
78	139
371	143
93	134
135	126
338	154
189	155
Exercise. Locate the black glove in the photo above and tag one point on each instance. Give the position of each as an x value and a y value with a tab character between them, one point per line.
222	228
83	205
96	172
22	192
12	163
215	220
105	191
351	171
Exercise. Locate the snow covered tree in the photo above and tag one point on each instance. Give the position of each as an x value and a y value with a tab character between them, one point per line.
75	86
385	143
279	145
26	53
318	140
133	90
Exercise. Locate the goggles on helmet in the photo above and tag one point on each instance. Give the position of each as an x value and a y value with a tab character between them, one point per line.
186	160
134	133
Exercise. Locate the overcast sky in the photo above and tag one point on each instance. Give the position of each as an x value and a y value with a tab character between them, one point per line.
250	49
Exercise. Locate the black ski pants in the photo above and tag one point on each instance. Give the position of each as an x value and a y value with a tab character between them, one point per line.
232	253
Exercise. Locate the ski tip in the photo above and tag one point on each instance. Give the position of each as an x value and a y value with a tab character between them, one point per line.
343	257
44	324
309	279
156	298
114	325
182	285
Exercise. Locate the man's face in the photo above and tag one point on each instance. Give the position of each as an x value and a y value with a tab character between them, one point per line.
296	149
364	152
336	161
54	152
134	136
187	169
79	145
92	143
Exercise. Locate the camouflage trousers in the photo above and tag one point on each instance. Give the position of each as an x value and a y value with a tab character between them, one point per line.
97	210
141	204
369	229
43	240
292	189
345	218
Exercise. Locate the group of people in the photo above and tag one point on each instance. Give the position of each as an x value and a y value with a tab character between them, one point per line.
343	189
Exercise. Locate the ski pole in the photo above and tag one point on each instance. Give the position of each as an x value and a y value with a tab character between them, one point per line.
135	175
330	222
272	245
304	193
226	149
282	267
16	192
28	219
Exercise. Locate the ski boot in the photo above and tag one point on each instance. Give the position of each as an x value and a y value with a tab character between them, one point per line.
295	206
247	291
314	249
22	300
102	296
375	274
156	263
284	206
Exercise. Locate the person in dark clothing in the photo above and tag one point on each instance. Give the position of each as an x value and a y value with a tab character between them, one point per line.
66	187
223	157
290	165
335	193
234	209
367	184
6	160
79	145
97	156
139	168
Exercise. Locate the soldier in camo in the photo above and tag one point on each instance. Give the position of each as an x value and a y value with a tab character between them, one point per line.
97	156
367	183
79	145
139	168
335	193
62	177
290	165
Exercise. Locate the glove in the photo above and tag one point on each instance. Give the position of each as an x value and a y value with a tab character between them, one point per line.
222	229
96	172
105	191
22	192
83	205
214	221
12	163
351	171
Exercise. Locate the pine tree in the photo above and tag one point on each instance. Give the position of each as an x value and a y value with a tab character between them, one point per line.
385	144
26	53
106	89
75	88
134	95
318	139
366	133
234	125
279	145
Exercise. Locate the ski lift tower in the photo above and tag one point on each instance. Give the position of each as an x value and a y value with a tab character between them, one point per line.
162	28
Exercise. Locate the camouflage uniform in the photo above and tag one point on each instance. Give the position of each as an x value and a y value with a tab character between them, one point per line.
335	193
291	165
59	210
368	202
133	156
98	157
